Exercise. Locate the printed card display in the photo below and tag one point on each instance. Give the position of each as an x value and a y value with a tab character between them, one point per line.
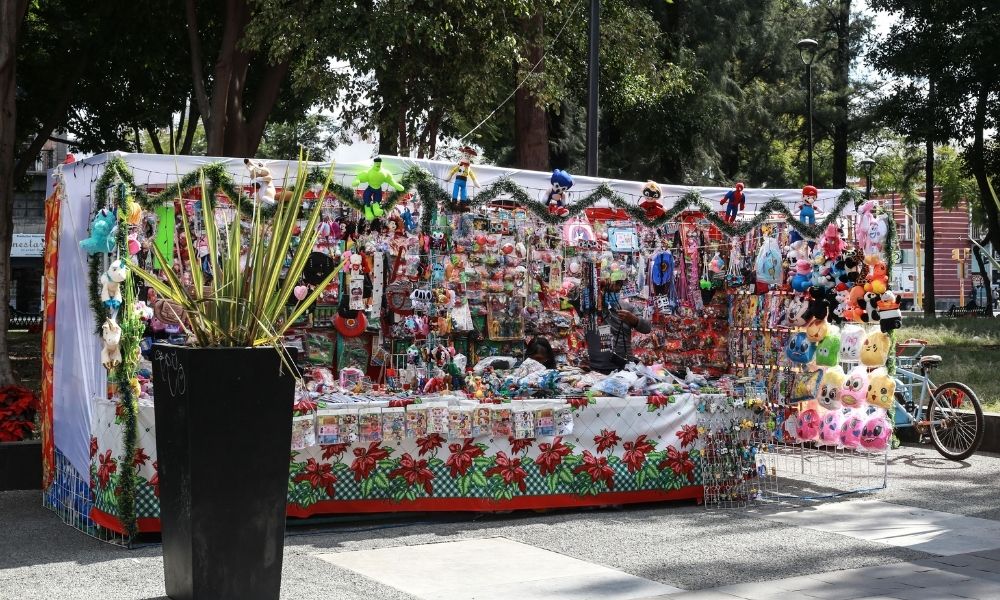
337	426
564	420
545	422
459	423
502	424
524	424
303	432
437	418
482	423
416	421
370	425
393	424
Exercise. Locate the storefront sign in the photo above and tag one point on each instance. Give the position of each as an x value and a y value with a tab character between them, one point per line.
27	245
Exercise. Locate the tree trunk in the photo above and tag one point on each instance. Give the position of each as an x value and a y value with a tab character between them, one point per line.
842	76
192	127
929	307
11	17
531	131
154	138
977	162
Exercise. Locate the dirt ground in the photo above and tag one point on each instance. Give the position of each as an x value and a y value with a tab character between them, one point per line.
26	356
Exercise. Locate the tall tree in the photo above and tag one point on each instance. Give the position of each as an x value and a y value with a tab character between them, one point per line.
11	18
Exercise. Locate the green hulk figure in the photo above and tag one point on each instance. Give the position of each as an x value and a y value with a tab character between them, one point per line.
372	197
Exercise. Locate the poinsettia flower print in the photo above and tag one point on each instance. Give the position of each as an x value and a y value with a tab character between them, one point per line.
679	461
510	470
140	457
106	467
635	453
367	459
598	469
550	456
517	446
318	475
331	450
606	440
430	443
687	435
400	402
414	471
578	402
460	460
93	446
657	400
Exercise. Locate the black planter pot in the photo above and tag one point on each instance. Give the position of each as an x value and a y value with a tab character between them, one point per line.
223	437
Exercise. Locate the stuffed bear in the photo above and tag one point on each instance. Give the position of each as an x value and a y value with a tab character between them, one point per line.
111	354
888	311
111	293
102	238
868	304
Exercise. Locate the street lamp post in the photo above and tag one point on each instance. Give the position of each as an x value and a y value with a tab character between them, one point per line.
867	166
807	53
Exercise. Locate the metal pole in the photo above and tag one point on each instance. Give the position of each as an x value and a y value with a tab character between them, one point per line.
809	95
868	186
593	78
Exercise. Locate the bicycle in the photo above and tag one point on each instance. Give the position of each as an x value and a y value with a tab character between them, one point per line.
953	416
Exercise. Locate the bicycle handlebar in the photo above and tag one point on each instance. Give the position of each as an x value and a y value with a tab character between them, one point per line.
912	343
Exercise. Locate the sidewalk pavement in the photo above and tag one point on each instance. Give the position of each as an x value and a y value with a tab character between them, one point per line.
935	533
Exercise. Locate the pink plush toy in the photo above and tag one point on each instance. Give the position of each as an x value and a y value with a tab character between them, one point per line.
855	389
850	430
808	425
875	434
833	245
829	430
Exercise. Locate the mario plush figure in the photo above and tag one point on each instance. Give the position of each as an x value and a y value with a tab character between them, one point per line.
807	210
735	201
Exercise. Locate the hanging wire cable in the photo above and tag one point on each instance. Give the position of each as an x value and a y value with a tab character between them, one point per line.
525	80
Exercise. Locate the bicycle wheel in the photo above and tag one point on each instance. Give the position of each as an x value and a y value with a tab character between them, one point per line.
956	420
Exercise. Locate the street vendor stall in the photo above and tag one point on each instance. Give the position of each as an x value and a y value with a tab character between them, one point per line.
415	392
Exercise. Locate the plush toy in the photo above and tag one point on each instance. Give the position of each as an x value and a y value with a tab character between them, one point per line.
111	280
796	313
802	279
832	243
799	349
828	348
888	312
875	350
820	302
735	201
816	330
407	216
261	180
556	197
866	215
807	425
881	388
874	242
111	335
807	210
850	429
849	269
878	278
875	434
462	172
855	389
868	303
828	395
133	212
851	338
829	429
650	203
102	237
375	177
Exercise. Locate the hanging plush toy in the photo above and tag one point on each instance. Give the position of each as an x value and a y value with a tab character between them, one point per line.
650	203
102	237
462	172
111	294
556	198
375	177
261	180
735	201
832	243
878	278
888	311
807	210
111	335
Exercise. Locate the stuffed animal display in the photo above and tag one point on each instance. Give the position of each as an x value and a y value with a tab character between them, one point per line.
102	236
735	201
830	386
111	336
650	203
555	198
111	280
375	177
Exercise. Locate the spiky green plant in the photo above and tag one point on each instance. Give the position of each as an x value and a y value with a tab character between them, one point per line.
244	305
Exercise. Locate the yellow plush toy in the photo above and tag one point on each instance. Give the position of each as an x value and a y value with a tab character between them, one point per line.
816	330
875	350
829	388
881	388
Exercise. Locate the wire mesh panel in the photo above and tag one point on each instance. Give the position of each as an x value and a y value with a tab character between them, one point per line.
733	433
804	471
69	496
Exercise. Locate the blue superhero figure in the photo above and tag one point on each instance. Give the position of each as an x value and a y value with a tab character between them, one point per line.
556	199
735	201
462	172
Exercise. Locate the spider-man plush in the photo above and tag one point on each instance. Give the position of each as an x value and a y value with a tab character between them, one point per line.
736	202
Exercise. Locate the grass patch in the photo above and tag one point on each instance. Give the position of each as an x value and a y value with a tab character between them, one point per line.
970	348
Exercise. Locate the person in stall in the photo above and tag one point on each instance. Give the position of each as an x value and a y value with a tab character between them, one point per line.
540	349
623	318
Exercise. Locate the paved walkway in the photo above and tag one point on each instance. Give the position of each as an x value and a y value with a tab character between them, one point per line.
935	533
